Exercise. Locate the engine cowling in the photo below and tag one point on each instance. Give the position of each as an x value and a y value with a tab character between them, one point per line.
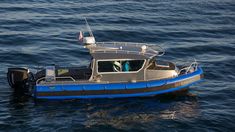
18	79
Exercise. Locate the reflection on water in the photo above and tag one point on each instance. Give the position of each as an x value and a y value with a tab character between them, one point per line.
116	113
141	113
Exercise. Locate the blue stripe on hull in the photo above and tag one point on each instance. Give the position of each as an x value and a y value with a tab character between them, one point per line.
116	86
120	95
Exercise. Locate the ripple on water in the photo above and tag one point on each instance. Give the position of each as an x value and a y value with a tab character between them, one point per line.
44	32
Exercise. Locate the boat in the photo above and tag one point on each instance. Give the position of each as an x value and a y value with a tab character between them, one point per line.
116	70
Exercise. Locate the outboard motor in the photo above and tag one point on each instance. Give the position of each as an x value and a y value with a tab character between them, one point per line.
19	79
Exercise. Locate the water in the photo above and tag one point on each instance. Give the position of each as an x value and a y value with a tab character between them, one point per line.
41	32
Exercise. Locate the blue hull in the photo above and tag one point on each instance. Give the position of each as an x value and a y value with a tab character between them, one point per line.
117	90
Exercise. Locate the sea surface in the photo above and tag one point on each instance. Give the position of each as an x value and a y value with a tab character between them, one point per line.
42	32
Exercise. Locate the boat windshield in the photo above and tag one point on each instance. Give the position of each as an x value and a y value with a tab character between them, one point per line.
120	65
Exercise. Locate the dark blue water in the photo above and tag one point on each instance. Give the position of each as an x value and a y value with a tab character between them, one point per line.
41	32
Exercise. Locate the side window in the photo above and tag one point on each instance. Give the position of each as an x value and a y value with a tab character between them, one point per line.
105	66
120	65
135	65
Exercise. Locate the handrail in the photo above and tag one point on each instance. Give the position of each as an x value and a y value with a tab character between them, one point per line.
131	44
155	50
66	77
43	78
125	43
192	65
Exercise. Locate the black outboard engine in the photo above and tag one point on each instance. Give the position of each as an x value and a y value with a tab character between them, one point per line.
19	79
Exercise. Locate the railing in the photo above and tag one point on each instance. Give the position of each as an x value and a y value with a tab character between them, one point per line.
117	47
193	65
43	78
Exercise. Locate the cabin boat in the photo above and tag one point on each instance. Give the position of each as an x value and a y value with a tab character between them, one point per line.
116	70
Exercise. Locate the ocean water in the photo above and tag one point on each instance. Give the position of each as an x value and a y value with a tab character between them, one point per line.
40	32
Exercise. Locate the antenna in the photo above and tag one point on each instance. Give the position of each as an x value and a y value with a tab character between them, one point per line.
88	28
89	40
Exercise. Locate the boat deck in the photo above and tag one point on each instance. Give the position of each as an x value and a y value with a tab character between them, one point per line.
66	74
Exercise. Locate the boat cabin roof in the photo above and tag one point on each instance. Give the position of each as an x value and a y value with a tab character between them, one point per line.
124	50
